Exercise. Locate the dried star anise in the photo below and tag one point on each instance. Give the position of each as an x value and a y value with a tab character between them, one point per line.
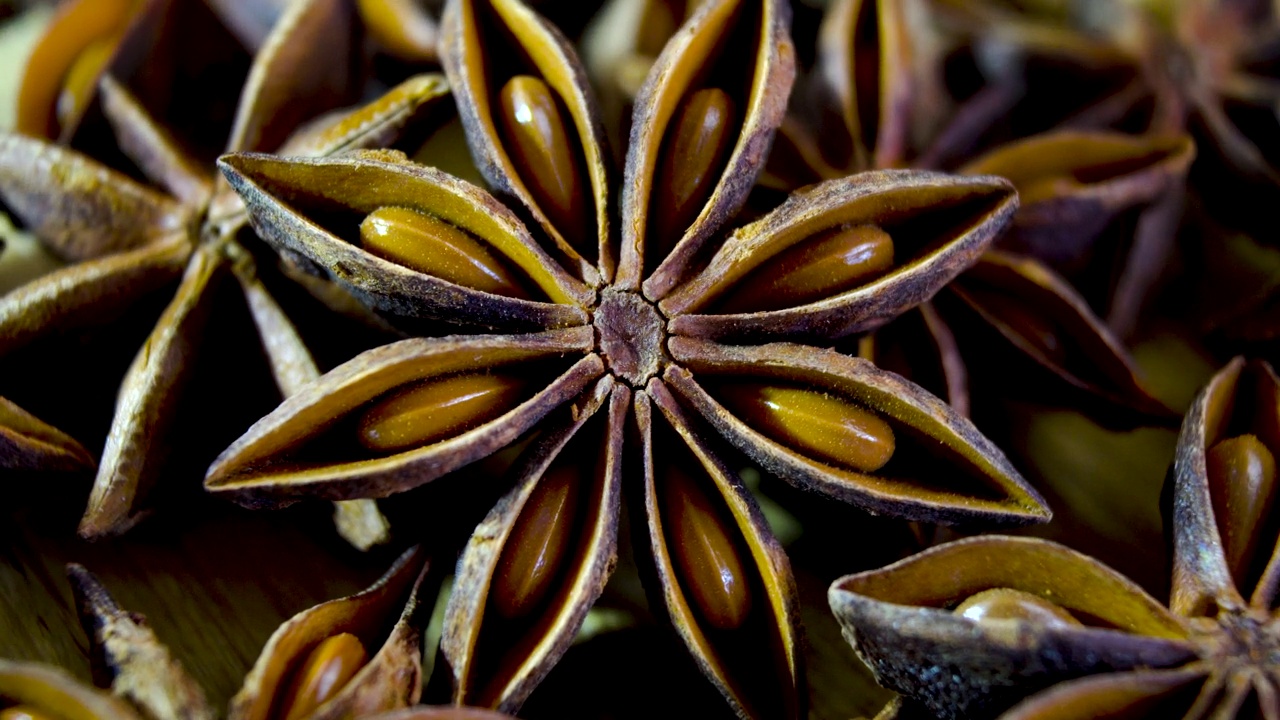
620	356
1070	187
132	241
971	627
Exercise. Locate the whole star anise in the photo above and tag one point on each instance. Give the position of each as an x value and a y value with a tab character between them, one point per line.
629	358
131	241
971	627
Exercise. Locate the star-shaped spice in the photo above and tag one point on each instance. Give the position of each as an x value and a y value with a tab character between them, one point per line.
971	627
130	241
642	359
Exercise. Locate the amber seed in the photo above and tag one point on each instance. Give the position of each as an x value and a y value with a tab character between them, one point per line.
544	150
1010	604
322	675
24	712
538	542
1242	478
435	409
430	245
706	555
698	142
79	82
814	423
832	262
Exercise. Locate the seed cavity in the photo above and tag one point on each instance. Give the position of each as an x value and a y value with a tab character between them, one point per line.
1010	604
322	675
832	262
436	409
82	78
1242	482
696	148
427	244
545	151
1021	318
25	712
706	556
538	543
815	424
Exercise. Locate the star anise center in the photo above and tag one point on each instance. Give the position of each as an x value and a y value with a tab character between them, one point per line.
1243	639
630	334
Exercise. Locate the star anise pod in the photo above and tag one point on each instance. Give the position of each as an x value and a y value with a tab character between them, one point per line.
1070	187
131	241
970	627
632	358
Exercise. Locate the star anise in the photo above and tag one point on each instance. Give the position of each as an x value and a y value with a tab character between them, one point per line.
1070	186
131	241
628	358
1009	616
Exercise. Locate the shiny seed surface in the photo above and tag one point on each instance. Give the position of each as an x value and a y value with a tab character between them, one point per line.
538	542
430	245
543	145
699	140
706	556
25	712
80	81
436	409
323	674
815	424
830	263
1010	604
1242	481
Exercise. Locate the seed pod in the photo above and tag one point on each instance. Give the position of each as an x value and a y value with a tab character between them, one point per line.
309	444
55	694
541	557
725	582
732	63
901	621
1229	514
915	433
436	409
937	225
283	195
79	31
1020	302
1073	184
322	675
568	125
390	679
920	347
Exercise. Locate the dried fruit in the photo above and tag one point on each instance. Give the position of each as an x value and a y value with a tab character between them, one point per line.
624	350
134	241
1120	653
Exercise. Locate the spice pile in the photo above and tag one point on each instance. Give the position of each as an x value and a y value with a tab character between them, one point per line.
662	316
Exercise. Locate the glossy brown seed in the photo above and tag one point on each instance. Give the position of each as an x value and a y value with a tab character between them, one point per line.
830	263
430	245
1010	604
538	542
79	82
435	409
325	671
710	566
697	145
813	423
544	148
1242	475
